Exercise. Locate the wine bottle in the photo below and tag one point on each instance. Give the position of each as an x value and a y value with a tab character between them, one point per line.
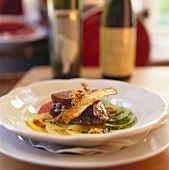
117	40
65	37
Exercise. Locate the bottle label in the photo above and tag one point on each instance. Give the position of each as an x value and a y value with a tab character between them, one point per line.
117	51
66	37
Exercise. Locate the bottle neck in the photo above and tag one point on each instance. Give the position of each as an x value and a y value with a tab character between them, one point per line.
118	13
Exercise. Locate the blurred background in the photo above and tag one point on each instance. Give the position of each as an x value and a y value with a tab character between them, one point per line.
24	35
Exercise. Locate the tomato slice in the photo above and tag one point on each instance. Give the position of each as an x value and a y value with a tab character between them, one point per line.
45	108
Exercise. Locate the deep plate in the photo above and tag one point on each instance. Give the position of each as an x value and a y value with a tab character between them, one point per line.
150	109
156	142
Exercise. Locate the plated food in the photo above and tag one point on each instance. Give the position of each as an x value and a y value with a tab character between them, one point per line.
79	111
22	103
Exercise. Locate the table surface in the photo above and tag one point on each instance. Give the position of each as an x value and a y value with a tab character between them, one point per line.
154	78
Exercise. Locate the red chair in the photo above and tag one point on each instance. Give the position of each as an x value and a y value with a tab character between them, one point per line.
91	23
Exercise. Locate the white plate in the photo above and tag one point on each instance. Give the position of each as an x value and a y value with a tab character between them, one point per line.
156	142
15	107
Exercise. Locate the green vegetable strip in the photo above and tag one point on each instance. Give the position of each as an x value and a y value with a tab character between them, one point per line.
131	120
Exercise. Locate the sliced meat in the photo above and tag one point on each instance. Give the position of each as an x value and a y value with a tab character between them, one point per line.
57	110
94	114
61	103
100	111
82	106
88	118
62	97
85	102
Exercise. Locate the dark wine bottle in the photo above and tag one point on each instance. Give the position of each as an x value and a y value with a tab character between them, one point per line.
117	40
65	37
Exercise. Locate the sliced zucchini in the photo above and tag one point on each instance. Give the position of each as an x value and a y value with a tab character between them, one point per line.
120	116
130	120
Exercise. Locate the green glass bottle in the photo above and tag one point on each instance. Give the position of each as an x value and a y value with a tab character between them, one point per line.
65	37
117	40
